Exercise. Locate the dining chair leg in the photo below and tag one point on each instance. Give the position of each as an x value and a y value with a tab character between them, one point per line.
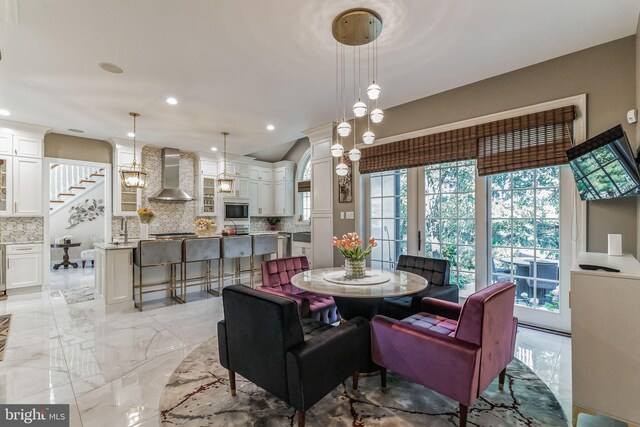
501	379
301	419
463	415
356	377
383	379
232	382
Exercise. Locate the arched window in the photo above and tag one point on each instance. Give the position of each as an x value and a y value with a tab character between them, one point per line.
303	199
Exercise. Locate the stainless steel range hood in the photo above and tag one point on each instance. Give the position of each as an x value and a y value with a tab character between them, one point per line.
171	191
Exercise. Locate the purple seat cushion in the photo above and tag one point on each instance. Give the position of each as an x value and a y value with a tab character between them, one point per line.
434	323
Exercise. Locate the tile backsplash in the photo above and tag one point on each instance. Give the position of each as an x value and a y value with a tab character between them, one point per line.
287	223
21	229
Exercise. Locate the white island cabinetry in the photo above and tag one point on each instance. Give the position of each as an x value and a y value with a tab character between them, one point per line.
114	275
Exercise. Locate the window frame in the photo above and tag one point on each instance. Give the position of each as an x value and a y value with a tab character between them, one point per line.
303	164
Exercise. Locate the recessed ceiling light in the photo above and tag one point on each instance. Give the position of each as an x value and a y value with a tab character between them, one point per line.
131	134
111	68
172	101
270	127
214	148
4	112
75	130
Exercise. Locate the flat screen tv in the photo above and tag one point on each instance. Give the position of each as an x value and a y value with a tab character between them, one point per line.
604	166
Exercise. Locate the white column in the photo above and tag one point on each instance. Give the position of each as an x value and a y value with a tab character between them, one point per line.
322	174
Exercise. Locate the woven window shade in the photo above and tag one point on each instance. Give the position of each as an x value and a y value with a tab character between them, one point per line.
450	146
304	186
524	142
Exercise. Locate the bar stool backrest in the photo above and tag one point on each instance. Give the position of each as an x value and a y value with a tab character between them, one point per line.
158	252
202	249
264	245
236	247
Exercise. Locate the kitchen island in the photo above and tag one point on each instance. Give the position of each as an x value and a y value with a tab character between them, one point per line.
116	269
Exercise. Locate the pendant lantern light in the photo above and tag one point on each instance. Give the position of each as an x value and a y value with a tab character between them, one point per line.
225	182
134	175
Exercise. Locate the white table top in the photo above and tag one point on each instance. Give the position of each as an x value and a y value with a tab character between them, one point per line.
400	283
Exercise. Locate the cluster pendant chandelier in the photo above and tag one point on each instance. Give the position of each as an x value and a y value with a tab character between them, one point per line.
356	28
134	175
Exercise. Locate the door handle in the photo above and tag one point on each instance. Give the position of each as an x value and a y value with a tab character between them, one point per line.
419	240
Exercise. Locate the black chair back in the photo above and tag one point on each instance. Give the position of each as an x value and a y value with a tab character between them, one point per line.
436	271
260	328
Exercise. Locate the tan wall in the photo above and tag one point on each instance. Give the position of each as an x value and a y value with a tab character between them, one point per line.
297	151
606	73
77	148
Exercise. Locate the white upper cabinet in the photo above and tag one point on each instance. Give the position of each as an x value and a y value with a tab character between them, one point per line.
260	174
208	168
242	170
27	174
27	146
6	185
126	201
6	143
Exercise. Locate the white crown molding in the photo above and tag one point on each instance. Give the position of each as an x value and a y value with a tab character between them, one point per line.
320	133
34	130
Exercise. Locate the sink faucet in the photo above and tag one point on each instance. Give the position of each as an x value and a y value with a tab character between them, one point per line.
123	230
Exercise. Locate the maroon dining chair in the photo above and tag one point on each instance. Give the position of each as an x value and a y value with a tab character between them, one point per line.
276	279
456	350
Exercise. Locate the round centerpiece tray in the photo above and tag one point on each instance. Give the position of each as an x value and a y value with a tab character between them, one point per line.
370	278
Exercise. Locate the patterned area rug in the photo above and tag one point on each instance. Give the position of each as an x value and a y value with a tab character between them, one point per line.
198	395
76	295
5	320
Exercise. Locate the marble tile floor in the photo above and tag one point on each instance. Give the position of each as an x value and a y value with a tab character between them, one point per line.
112	368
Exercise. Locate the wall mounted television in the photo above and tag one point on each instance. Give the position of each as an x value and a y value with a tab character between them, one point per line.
604	166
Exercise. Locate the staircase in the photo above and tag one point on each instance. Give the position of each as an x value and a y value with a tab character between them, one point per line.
67	182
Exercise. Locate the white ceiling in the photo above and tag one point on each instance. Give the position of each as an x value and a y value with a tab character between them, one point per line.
238	65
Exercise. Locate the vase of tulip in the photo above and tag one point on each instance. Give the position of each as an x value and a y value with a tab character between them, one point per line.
355	255
204	227
147	216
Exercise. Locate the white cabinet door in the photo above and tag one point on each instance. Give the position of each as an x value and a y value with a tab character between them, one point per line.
6	143
242	188
254	173
207	200
242	170
26	146
6	185
208	168
24	270
27	186
266	198
283	196
254	199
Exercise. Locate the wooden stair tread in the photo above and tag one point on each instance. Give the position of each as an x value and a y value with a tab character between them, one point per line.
97	174
88	180
56	201
66	194
74	187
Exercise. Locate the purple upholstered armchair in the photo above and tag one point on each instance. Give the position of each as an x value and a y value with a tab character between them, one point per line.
276	279
452	349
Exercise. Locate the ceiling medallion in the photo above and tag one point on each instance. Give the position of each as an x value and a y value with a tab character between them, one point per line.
356	28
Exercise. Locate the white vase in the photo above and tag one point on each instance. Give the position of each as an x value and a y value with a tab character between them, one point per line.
144	231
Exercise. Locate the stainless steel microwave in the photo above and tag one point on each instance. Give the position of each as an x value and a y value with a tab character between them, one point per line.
236	211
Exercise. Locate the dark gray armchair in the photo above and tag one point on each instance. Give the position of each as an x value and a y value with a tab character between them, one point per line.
436	271
299	361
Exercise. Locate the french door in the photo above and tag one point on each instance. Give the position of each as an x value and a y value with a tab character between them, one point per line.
514	226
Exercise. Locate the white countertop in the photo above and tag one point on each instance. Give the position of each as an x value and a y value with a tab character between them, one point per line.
627	264
113	246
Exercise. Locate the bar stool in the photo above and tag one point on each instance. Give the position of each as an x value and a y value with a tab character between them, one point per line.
157	253
266	244
201	250
234	248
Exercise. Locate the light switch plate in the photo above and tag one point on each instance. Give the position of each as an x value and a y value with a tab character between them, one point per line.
351	215
341	215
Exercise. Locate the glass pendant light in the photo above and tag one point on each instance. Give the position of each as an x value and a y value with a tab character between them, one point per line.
359	109
337	150
342	169
368	137
377	115
225	182
354	154
134	175
344	129
373	91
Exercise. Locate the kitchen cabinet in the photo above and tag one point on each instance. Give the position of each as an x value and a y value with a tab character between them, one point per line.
207	201
26	146
114	275
260	174
6	185
126	201
208	168
27	186
242	170
242	188
6	143
254	191
24	265
303	249
283	198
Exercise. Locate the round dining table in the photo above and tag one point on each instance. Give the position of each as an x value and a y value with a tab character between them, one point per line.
359	297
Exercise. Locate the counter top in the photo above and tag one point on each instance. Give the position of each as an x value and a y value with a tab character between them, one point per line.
30	242
112	246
